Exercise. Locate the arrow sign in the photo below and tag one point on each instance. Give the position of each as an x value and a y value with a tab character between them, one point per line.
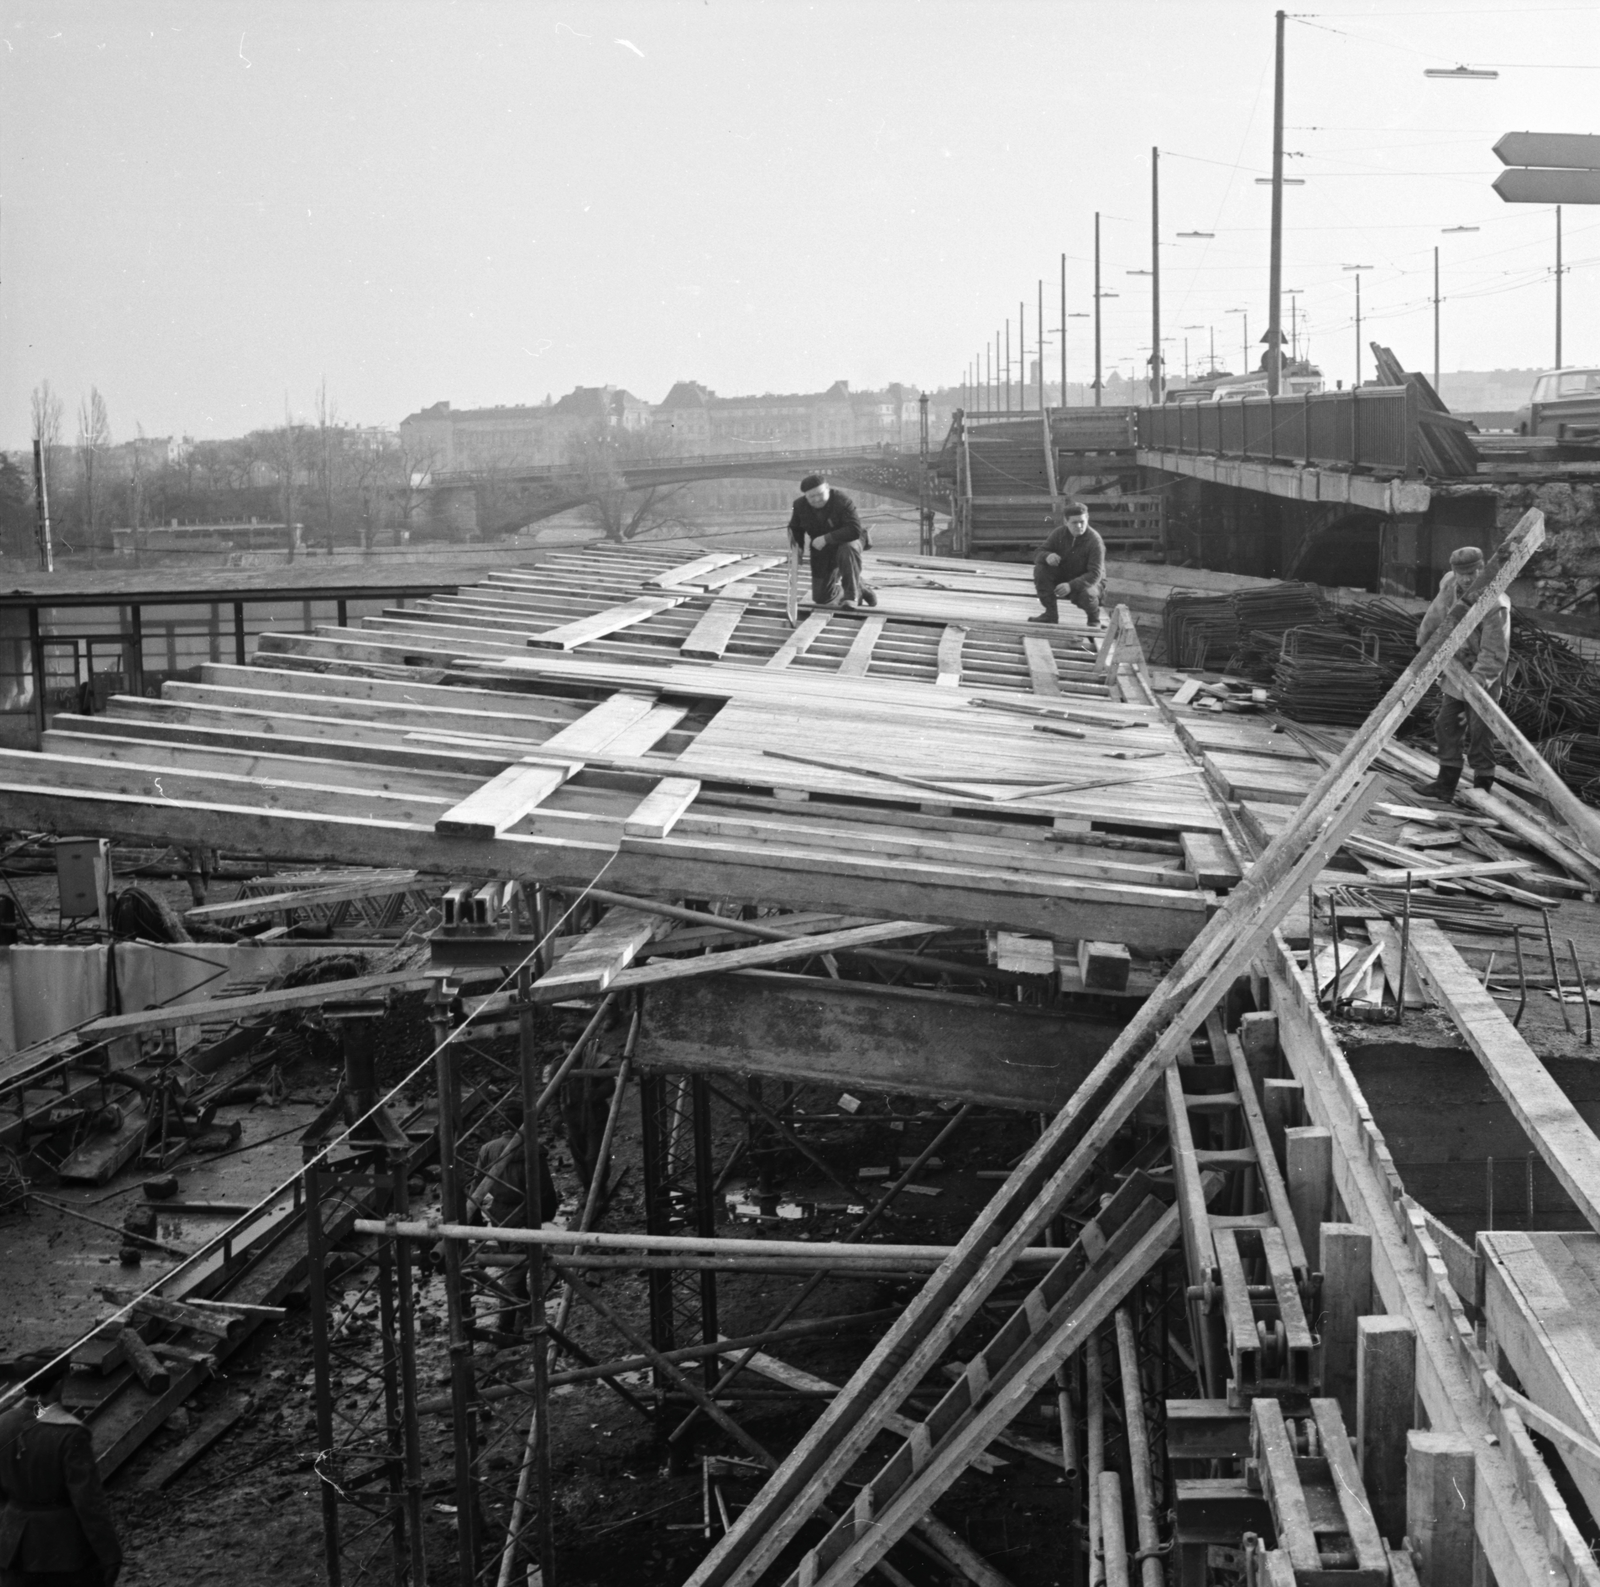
1521	186
1567	151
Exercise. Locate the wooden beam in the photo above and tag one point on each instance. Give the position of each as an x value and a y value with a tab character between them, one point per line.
709	637
659	971
1584	822
660	809
505	800
593	961
739	570
1555	1128
570	635
800	641
859	656
688	572
949	661
1041	664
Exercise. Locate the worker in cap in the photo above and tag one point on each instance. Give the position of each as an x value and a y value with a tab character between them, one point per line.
1070	565
1458	728
824	522
55	1524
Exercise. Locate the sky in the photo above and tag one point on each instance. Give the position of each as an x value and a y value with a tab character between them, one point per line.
209	208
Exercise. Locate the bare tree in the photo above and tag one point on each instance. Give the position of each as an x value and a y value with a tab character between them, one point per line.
284	448
94	440
327	445
45	408
411	468
598	458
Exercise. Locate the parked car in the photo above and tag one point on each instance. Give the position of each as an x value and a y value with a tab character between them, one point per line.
1565	403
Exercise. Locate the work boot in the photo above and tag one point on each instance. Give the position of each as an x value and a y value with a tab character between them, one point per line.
1443	787
869	596
1044	617
1483	781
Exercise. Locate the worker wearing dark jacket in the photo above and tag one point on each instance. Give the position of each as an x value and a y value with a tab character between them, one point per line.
1071	562
824	519
1460	734
55	1525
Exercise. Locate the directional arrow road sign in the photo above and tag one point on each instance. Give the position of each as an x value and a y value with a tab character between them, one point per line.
1520	186
1567	151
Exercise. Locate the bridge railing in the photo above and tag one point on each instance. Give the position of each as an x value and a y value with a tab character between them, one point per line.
1369	428
755	456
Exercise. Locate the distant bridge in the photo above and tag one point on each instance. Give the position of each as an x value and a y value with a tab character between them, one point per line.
529	494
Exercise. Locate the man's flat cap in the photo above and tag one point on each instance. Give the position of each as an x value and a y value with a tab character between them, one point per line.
1465	556
811	481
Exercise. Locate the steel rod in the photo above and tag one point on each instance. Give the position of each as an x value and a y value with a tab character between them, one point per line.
1555	973
1583	992
1138	1451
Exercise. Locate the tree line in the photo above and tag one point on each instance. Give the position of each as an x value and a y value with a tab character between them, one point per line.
346	486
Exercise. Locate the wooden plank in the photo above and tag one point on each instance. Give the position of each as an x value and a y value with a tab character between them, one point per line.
309	897
1041	664
505	800
658	812
949	663
659	971
1555	1128
640	737
800	641
688	572
710	636
741	570
570	635
595	959
1583	821
859	656
1209	860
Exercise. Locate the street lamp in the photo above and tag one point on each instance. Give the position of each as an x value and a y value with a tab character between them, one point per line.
1197	234
1461	74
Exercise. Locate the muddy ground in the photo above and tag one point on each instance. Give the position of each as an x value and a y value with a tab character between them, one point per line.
627	1511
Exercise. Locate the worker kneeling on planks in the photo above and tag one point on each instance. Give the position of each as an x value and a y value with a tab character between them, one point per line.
1457	726
824	519
1071	563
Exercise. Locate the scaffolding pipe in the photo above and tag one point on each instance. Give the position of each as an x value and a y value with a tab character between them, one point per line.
1144	1506
1094	1401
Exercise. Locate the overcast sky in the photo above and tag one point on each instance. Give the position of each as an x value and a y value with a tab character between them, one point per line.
211	207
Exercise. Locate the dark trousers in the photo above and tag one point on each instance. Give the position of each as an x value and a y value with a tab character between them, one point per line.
836	573
1083	592
1457	726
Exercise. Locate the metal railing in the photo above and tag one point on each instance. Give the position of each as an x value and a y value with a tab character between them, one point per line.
1372	427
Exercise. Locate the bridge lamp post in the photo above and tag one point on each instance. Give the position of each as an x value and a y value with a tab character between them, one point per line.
1356	270
1246	344
1186	351
1080	314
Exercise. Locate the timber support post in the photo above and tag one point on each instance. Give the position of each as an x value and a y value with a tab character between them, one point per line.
1346	1258
1386	1392
1440	1482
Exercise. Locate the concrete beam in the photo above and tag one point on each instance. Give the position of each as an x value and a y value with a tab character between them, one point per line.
1297	482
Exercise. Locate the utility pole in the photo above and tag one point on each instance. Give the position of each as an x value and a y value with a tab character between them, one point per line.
1558	286
1063	330
1097	308
1040	335
1275	282
1022	356
1008	366
41	507
1155	278
1436	315
1358	329
925	506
